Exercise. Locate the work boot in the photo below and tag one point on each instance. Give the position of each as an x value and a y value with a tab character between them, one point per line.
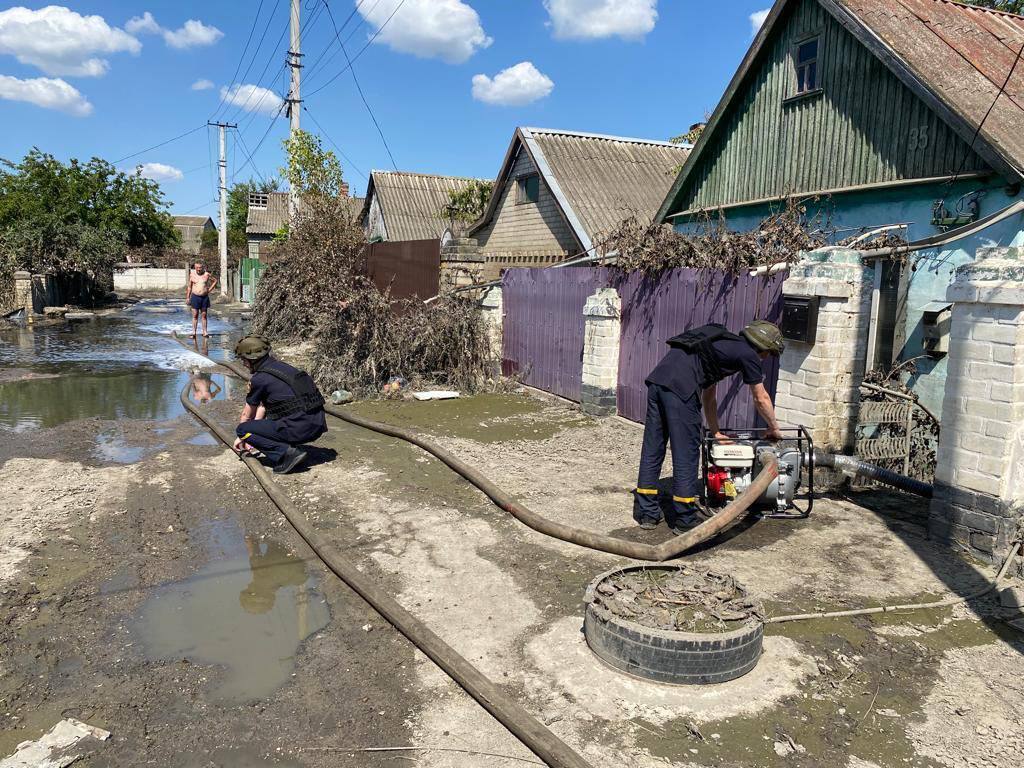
689	514
646	509
291	459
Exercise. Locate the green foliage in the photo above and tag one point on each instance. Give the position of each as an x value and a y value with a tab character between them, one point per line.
311	169
467	204
1009	6
76	216
691	136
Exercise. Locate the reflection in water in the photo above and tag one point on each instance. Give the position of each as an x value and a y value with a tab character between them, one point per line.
202	387
247	610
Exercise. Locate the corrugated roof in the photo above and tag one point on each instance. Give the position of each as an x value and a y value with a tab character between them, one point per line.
955	57
269	220
598	180
411	203
961	53
191	221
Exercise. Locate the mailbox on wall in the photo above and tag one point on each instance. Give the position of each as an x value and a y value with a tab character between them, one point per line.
936	317
799	318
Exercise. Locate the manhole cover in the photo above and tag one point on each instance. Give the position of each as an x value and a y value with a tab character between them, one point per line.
681	624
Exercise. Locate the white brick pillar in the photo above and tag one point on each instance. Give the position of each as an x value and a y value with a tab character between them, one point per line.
23	292
601	318
979	474
819	383
493	311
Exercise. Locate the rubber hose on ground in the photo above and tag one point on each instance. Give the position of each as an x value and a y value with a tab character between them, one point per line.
667	550
530	731
854	466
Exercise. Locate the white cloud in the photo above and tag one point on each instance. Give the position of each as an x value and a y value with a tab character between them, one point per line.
143	24
514	86
61	42
592	19
252	98
757	19
46	93
449	30
202	85
193	33
160	172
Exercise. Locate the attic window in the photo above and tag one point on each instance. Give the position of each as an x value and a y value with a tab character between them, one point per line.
257	201
528	189
805	57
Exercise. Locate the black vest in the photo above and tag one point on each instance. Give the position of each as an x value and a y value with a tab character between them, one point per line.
306	398
698	341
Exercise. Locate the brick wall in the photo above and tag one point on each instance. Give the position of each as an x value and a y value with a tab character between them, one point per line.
525	234
601	338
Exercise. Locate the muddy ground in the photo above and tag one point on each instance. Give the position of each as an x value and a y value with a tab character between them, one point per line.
148	588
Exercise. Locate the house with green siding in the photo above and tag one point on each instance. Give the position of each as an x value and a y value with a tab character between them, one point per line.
875	113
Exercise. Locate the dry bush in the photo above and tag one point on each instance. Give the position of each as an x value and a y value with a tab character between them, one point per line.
654	248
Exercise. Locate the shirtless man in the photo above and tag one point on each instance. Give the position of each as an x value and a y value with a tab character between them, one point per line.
197	294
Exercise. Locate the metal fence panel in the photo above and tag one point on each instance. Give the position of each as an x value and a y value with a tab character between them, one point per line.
408	267
655	310
542	339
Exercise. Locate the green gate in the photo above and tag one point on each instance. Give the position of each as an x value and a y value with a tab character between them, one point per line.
251	270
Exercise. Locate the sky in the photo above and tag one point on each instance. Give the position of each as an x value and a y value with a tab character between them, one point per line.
447	81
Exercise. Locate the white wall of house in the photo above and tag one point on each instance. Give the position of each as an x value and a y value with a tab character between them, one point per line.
375	229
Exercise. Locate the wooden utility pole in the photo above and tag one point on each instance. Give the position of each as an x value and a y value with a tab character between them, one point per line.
222	233
294	99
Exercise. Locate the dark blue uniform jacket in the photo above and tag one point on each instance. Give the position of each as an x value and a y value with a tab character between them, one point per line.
267	390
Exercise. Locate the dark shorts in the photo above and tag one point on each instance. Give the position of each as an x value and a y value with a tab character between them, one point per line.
201	303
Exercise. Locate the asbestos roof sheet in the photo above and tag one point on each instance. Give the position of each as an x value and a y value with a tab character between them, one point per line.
191	221
411	203
269	220
963	55
605	179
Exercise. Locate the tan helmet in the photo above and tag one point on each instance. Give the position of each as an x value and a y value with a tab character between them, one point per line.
252	347
764	337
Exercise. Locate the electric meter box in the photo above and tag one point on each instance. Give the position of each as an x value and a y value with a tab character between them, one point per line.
799	318
936	318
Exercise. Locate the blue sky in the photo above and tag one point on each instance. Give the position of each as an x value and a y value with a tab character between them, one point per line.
448	80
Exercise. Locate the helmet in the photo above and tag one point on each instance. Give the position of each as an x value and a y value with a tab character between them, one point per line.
252	347
764	337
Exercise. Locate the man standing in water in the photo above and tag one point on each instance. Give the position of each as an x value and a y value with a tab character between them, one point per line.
197	295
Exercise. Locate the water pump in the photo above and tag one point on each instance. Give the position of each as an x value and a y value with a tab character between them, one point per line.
731	464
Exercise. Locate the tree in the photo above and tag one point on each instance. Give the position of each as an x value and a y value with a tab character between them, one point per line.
76	216
468	204
1009	6
311	169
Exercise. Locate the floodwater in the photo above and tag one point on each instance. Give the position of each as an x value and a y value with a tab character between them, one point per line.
121	366
247	611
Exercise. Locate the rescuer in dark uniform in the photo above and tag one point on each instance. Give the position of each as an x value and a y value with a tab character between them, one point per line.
677	388
283	407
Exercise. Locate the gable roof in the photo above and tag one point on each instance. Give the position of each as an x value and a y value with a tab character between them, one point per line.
411	203
269	220
954	57
597	180
191	221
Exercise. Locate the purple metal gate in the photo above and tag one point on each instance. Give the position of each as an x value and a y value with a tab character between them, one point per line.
655	310
543	325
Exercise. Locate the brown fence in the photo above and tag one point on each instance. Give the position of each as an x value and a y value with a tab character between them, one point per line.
409	267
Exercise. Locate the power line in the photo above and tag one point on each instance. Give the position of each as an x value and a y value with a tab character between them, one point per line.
358	86
248	154
333	144
245	50
201	205
157	146
313	65
348	37
266	133
259	81
360	53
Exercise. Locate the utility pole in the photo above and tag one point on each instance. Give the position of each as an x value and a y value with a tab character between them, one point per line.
294	100
222	233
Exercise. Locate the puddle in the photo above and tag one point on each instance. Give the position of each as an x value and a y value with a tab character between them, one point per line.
247	611
122	366
203	438
111	446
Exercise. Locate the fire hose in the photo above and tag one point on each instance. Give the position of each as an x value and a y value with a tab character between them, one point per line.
579	536
530	731
854	466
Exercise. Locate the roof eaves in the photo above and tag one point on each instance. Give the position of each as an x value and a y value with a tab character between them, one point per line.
563	201
624	139
499	184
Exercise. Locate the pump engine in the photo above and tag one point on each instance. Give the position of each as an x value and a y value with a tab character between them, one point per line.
731	465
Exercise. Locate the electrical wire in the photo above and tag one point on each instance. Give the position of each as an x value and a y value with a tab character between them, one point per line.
361	50
327	47
157	146
359	88
266	133
348	37
334	144
201	205
245	50
248	154
260	80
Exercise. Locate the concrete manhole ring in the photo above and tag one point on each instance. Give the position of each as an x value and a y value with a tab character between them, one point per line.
631	638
